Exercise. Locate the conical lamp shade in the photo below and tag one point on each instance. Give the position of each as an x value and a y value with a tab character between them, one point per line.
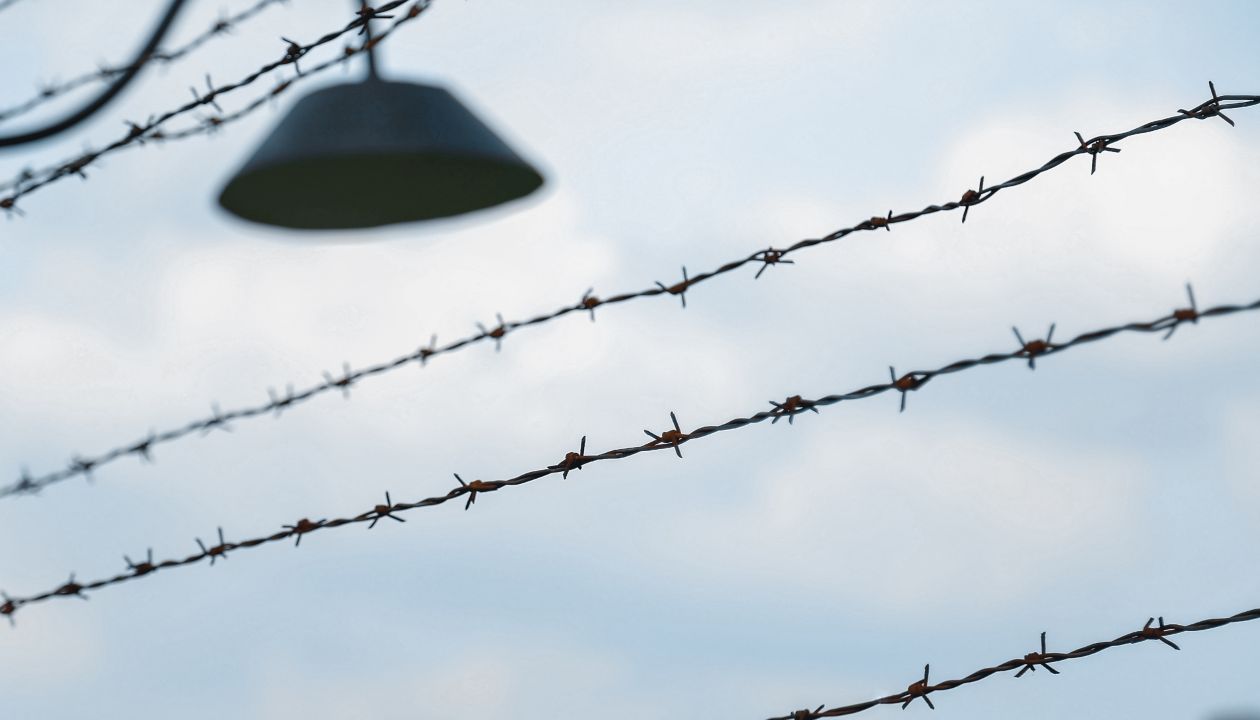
376	153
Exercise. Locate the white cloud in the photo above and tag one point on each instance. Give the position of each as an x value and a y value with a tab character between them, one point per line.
1240	452
46	656
484	679
755	38
890	517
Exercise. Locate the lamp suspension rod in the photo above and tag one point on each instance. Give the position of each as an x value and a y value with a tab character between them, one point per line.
371	48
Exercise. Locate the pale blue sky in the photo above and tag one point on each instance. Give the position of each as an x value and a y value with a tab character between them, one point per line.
773	568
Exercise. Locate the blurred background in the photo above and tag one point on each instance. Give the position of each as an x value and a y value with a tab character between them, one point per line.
773	568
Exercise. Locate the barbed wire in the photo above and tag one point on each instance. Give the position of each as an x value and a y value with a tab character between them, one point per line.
205	126
33	179
29	181
671	439
667	439
920	689
6	4
51	91
83	466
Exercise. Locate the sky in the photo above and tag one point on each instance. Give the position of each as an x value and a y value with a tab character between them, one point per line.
772	568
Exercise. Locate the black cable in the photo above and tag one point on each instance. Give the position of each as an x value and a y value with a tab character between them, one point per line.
109	93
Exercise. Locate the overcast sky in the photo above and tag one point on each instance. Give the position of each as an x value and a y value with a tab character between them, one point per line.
773	568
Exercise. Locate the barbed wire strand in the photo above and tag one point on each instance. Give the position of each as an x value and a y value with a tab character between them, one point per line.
83	466
207	125
138	133
670	439
920	689
33	179
51	91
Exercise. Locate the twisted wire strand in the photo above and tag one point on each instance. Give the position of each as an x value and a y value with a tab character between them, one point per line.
670	439
920	689
139	133
81	466
52	91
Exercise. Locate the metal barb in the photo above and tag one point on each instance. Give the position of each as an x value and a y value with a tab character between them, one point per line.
222	26
497	333
385	511
679	289
424	353
881	222
302	527
366	14
589	302
77	166
211	123
971	197
1094	148
26	484
673	437
905	384
1034	348
208	98
135	132
790	407
216	551
144	448
7	608
10	208
217	420
70	587
278	404
1211	108
473	488
769	257
1033	659
1157	633
293	53
1190	314
572	460
807	714
344	382
82	466
919	689
141	568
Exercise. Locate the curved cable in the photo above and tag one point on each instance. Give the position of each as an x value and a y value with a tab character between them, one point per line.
109	93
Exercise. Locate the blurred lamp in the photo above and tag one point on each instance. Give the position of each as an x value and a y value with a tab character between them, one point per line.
375	153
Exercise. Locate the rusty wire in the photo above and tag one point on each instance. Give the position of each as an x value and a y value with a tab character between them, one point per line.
51	91
669	439
139	133
28	180
920	689
83	466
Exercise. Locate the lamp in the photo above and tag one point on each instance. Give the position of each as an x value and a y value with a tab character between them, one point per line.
375	153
